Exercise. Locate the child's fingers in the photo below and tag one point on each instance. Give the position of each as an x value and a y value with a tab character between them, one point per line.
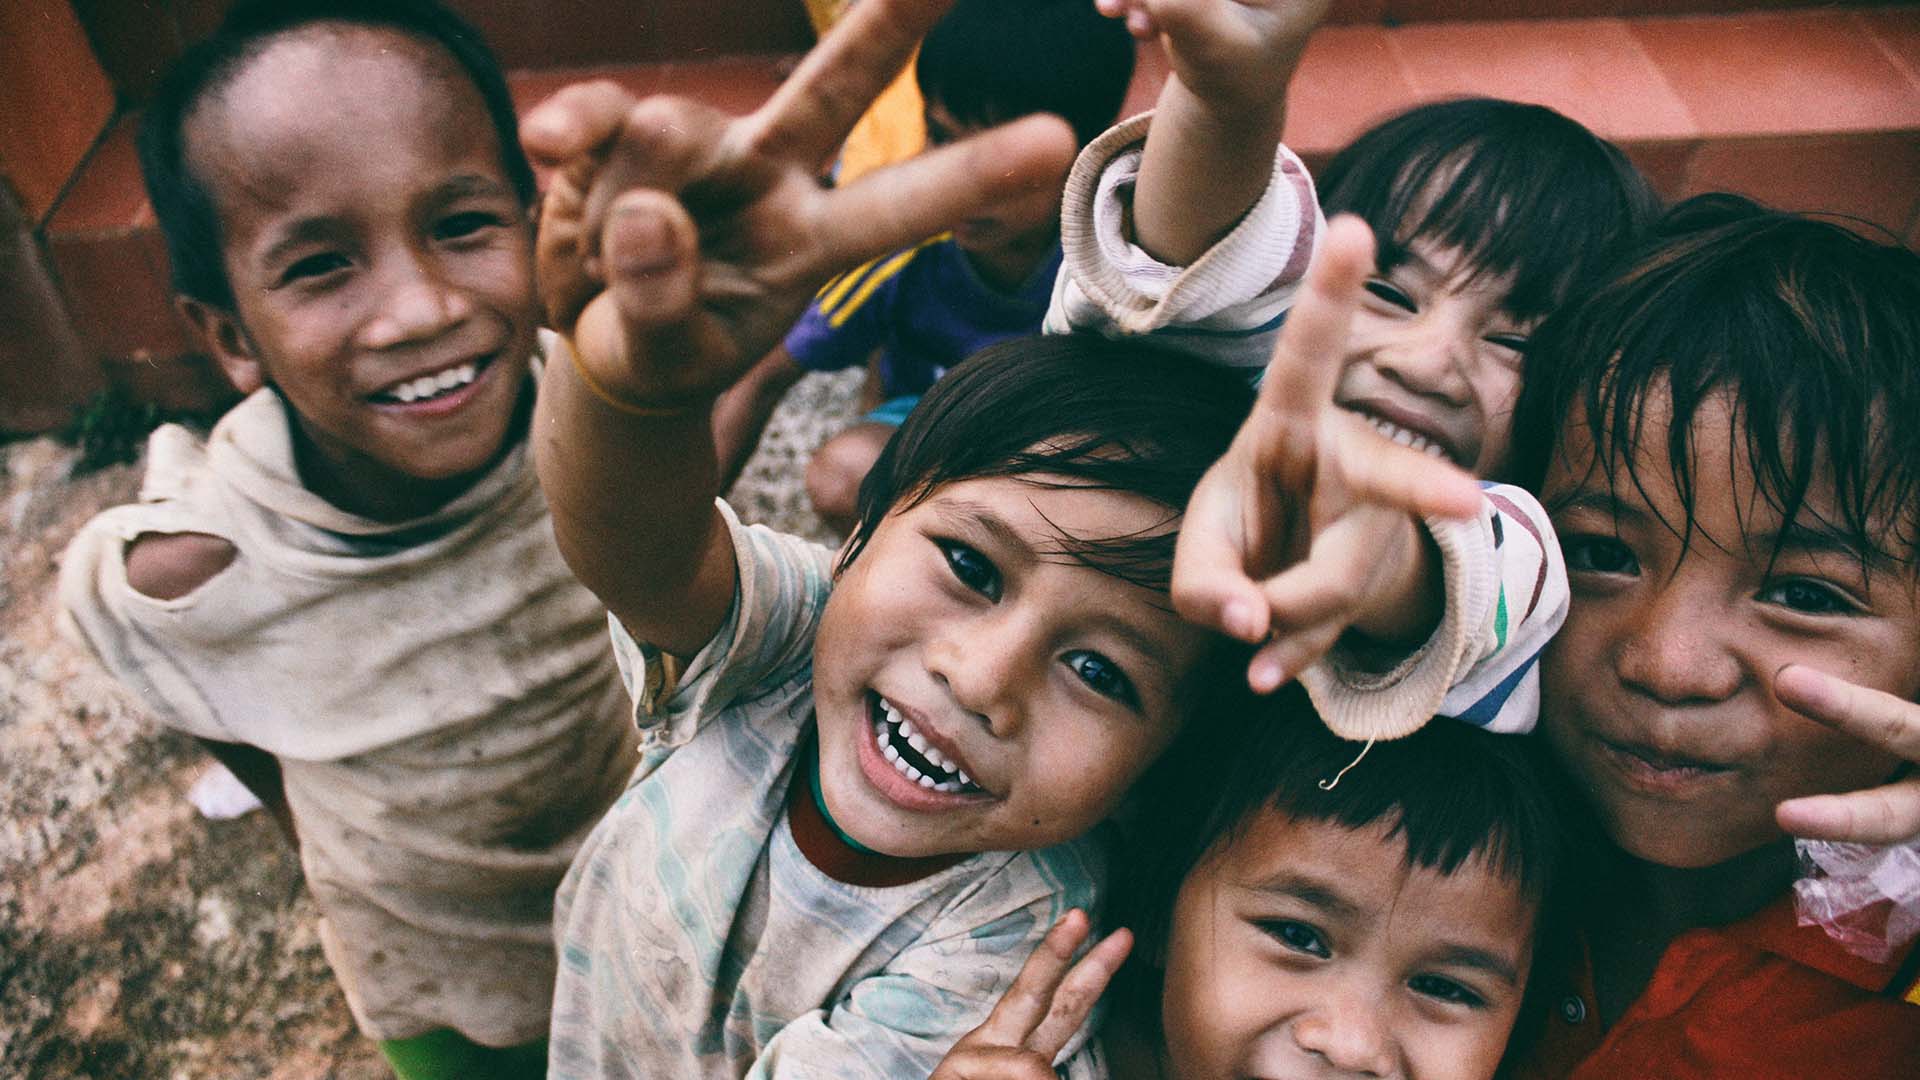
577	120
1373	470
1026	1003
661	143
1073	1002
808	117
1211	586
650	259
994	1063
1281	660
1884	815
1888	722
1307	359
908	202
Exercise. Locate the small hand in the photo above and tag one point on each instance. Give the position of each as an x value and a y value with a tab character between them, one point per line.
1889	814
677	243
1233	53
1048	1001
1307	526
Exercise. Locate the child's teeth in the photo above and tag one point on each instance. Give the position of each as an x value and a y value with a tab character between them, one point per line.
906	726
916	740
428	385
962	777
925	781
890	753
914	774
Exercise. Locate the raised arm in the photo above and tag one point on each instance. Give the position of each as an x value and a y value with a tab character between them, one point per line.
1310	526
1209	154
677	244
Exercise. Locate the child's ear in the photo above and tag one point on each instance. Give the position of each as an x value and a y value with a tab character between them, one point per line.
227	340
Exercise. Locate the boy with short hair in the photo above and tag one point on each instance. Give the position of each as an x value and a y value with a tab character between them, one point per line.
350	589
928	307
1722	435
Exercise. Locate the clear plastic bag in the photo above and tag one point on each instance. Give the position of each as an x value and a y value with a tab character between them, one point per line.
1866	898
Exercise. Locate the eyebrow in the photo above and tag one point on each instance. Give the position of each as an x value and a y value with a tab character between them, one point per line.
1480	960
1603	502
1821	539
311	229
304	231
1310	891
1319	894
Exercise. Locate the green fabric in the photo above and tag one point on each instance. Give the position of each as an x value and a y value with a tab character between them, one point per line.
449	1055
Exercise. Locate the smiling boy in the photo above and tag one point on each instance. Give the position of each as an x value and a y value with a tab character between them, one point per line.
350	589
1733	480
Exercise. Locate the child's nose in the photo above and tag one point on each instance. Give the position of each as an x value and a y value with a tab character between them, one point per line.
1430	356
1676	652
1347	1030
417	304
987	663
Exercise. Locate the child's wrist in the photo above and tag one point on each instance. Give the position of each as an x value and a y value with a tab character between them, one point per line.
623	403
1409	606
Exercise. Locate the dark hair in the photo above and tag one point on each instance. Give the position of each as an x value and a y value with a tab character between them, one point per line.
990	61
181	202
1072	410
1454	793
1812	330
1517	188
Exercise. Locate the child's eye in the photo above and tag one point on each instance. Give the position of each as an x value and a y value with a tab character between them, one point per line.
313	266
455	226
1297	936
1391	293
1104	676
971	568
1808	597
1443	989
1598	555
1515	342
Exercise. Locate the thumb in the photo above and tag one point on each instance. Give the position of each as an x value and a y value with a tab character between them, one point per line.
650	259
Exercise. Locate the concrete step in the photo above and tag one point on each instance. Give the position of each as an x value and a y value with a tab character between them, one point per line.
1803	109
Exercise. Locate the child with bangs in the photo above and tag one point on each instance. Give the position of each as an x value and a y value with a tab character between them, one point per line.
1722	433
868	781
1400	921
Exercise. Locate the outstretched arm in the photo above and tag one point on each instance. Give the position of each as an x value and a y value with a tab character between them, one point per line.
677	244
1209	155
1310	525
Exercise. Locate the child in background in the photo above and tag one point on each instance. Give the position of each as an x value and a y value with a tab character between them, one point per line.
929	306
351	589
1723	435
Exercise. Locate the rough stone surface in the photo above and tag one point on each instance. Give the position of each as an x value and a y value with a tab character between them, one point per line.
136	938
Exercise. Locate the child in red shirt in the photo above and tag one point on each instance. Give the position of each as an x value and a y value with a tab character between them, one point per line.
1722	435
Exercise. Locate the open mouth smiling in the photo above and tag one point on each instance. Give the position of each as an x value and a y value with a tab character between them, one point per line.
434	385
910	754
1404	436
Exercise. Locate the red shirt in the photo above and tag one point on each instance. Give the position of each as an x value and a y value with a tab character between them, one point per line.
1760	998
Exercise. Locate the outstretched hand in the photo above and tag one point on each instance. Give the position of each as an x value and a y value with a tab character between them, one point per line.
677	243
1308	527
1889	814
1049	1000
1233	53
